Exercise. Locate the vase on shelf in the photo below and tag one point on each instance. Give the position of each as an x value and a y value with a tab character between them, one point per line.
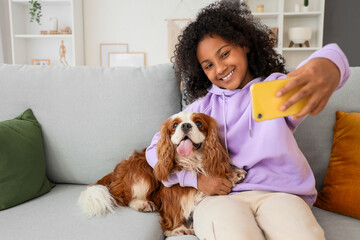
306	6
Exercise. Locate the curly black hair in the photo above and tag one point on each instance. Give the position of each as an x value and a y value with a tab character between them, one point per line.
234	23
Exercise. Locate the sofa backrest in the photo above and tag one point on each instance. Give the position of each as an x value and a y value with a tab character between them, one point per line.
91	117
94	117
315	134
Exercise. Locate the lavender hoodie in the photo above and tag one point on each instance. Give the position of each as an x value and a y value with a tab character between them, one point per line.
266	150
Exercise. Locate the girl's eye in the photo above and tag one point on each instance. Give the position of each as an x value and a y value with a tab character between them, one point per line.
175	125
198	124
225	54
208	66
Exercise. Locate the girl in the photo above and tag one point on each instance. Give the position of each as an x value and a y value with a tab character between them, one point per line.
218	58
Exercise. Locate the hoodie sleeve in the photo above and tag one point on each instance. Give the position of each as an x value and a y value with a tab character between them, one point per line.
184	178
337	56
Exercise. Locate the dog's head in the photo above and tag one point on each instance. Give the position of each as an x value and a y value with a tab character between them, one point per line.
186	137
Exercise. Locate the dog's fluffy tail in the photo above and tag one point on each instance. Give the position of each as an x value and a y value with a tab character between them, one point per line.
96	200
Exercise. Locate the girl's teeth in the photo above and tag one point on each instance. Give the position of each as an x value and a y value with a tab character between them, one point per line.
224	78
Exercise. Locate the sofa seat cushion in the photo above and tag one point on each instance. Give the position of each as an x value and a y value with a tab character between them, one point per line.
56	215
337	226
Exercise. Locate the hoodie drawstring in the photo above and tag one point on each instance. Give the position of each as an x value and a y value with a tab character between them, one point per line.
224	119
250	122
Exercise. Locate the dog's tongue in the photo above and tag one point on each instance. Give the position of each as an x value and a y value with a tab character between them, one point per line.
185	148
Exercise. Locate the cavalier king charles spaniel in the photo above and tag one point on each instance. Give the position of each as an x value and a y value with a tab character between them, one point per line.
188	141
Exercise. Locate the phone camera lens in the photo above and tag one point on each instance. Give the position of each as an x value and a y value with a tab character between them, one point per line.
259	116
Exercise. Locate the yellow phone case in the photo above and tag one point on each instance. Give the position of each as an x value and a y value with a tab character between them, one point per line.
265	104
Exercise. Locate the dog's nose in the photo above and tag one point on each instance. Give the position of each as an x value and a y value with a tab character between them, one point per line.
186	127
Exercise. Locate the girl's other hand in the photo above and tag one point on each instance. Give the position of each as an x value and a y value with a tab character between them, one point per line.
213	186
319	77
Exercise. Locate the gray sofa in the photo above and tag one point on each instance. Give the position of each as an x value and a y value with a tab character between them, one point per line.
93	117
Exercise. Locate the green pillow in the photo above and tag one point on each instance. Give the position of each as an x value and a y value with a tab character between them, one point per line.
22	161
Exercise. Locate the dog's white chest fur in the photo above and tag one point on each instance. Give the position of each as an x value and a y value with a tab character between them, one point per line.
193	162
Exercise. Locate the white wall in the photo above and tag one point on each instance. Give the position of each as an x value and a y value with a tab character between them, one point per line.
139	23
5	40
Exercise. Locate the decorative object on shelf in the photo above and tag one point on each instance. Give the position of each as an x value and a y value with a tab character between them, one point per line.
41	62
53	25
105	48
35	11
62	52
300	35
260	8
132	59
297	7
274	33
65	29
306	6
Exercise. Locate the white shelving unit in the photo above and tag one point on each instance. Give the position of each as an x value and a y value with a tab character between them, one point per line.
281	14
26	41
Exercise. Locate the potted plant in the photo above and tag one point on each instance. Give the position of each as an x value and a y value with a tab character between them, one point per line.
35	11
306	5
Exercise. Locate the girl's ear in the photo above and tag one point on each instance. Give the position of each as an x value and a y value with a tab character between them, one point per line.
216	159
165	153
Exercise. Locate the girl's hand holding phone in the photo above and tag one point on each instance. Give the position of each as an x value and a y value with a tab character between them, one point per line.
319	77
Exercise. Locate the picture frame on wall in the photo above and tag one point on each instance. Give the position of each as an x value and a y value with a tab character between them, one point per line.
41	62
106	48
134	59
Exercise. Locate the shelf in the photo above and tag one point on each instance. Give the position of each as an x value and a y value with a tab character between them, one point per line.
301	49
266	14
43	36
281	14
45	2
302	14
28	43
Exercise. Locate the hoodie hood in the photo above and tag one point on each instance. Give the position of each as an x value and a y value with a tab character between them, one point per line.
225	93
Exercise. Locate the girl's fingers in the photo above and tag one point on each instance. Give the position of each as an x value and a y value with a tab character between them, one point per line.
313	104
304	92
293	83
319	108
224	191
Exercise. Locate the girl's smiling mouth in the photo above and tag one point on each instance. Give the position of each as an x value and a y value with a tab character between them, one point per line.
227	77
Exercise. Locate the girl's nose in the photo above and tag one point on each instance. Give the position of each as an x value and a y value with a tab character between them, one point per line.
220	68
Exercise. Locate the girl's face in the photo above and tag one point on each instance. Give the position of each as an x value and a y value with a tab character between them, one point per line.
224	63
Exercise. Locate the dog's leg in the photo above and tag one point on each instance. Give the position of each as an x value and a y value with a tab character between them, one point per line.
139	200
182	230
177	206
142	205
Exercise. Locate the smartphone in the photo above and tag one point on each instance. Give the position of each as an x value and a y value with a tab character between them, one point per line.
265	104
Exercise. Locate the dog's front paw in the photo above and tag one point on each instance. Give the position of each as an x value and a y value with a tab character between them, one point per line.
238	175
182	230
142	205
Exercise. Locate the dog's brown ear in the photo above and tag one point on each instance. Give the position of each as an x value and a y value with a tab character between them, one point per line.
216	159
165	152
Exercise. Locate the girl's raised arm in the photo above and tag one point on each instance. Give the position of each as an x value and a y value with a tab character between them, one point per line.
321	74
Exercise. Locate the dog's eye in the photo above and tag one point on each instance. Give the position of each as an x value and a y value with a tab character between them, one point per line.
175	125
198	124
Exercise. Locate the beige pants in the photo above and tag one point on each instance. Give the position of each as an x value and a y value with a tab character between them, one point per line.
256	215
